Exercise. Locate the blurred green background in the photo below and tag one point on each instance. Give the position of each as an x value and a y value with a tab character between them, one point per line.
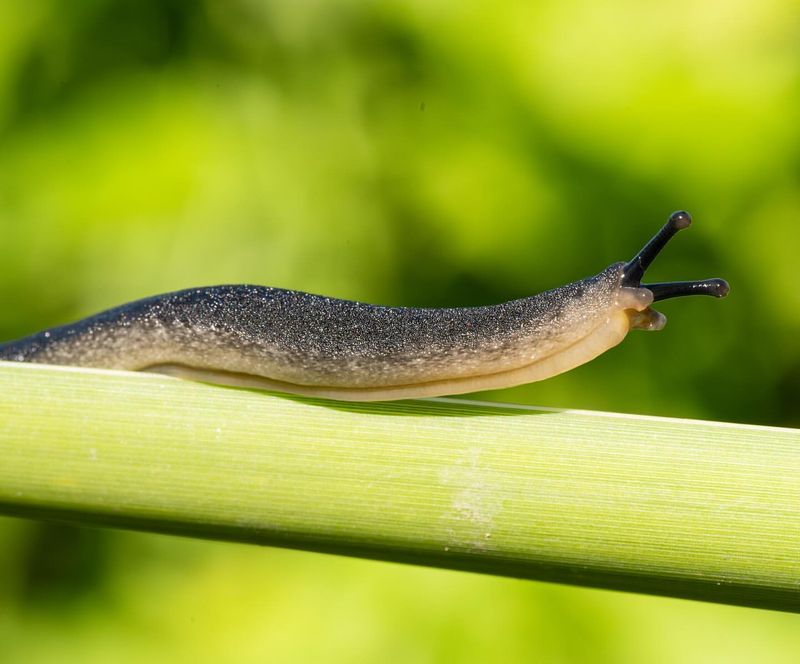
414	152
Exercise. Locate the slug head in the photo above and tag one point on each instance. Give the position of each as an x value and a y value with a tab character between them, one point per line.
634	270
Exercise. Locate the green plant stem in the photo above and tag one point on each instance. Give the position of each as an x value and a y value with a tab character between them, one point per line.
684	508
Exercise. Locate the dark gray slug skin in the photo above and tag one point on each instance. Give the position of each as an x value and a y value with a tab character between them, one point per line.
304	338
310	344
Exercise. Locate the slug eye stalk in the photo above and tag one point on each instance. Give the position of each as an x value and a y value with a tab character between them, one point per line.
635	269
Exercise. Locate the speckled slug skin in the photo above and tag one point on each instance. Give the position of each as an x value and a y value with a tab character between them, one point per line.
319	345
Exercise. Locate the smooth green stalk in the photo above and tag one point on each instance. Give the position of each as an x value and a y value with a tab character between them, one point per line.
673	507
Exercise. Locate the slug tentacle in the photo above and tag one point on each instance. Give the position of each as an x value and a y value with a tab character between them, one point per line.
308	344
665	291
634	270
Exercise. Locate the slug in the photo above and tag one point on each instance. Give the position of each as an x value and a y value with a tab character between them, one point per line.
289	341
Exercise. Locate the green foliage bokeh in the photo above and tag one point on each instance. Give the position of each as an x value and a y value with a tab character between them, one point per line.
408	152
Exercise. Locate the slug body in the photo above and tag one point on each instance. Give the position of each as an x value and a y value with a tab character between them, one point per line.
289	341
